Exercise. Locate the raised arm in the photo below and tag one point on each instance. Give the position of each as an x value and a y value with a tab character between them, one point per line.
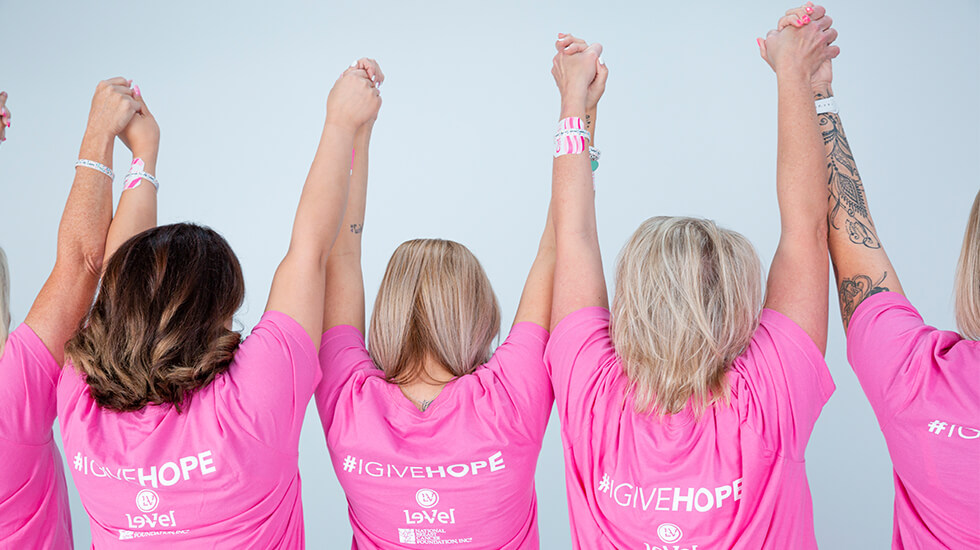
298	285
344	295
137	209
861	265
67	294
797	284
579	281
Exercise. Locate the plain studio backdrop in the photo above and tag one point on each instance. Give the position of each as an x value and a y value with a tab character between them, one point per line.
462	150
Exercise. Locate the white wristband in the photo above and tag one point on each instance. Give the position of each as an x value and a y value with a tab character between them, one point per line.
826	105
98	166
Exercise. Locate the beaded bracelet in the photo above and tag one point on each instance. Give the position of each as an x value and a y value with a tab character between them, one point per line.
136	176
95	166
594	155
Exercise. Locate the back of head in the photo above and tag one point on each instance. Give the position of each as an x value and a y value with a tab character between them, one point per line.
435	301
968	277
688	299
4	301
158	330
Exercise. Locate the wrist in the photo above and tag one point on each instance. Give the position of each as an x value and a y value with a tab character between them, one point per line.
793	74
341	127
573	107
97	146
822	91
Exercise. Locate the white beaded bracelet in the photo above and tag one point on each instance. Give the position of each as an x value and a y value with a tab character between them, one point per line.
95	166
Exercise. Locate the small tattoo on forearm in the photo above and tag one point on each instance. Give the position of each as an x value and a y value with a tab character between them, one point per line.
588	122
356	228
855	290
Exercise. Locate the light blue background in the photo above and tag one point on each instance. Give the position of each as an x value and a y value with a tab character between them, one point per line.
462	151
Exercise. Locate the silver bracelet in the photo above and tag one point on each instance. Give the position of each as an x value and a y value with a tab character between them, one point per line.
594	153
95	166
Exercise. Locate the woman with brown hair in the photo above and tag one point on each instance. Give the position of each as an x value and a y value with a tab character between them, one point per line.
434	438
178	432
686	408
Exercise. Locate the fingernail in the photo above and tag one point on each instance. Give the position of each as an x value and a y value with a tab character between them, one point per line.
354	64
799	23
806	18
809	9
136	89
3	111
601	62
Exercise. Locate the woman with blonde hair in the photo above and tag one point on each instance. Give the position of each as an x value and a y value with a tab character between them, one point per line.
687	408
923	383
33	493
433	437
179	432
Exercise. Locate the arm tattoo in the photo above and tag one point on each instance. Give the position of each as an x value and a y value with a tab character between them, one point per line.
853	291
844	182
588	122
356	228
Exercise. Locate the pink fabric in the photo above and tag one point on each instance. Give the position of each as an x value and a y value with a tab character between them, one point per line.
460	474
924	386
33	493
223	474
734	479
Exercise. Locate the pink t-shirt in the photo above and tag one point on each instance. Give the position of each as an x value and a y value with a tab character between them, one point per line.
223	474
33	493
734	479
924	386
460	474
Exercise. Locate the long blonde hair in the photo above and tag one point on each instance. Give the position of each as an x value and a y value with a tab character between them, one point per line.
688	299
435	301
968	277
4	301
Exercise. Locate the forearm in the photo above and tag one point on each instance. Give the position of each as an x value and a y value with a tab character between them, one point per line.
137	209
535	304
800	165
861	265
579	280
67	294
344	297
324	195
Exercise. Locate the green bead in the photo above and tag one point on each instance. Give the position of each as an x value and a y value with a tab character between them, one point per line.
595	165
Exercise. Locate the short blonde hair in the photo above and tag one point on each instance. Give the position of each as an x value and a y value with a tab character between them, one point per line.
688	299
435	301
4	301
968	277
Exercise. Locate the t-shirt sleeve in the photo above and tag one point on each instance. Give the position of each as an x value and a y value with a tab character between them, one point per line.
885	341
518	366
581	362
782	384
272	378
28	384
342	353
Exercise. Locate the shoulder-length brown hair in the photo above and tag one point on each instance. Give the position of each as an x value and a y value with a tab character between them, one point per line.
435	301
158	330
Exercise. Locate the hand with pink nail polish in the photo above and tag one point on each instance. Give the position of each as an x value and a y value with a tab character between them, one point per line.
4	117
801	49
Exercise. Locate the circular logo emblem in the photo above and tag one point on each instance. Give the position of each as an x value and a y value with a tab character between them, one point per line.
147	500
668	532
427	498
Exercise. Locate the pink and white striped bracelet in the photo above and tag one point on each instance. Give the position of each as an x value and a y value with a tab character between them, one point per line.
572	137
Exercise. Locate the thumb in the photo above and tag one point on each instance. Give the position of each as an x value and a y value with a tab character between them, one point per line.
138	96
595	47
601	73
762	49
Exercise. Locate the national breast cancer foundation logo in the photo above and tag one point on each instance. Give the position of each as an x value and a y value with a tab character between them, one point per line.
147	500
668	532
427	498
